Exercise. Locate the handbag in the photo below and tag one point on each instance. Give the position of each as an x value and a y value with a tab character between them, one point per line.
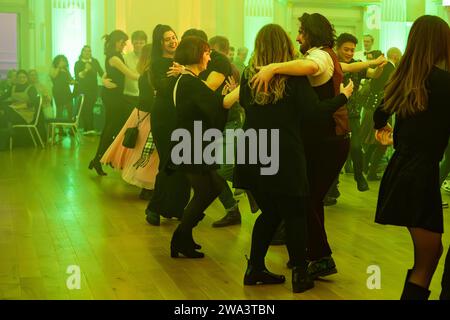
131	134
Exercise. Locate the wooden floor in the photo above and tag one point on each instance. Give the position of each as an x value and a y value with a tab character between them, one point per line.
54	213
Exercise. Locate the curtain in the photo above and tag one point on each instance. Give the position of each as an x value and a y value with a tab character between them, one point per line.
69	29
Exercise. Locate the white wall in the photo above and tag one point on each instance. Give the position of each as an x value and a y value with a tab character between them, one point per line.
8	43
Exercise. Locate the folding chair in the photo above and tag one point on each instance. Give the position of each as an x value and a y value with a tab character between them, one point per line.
68	123
32	127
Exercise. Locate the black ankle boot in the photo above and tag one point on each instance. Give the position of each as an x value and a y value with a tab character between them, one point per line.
412	291
182	243
254	277
200	218
95	164
301	280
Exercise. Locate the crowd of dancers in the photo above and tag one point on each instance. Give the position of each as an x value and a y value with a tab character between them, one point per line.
330	106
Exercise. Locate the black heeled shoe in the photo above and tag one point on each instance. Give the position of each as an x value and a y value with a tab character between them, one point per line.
181	244
95	164
301	280
253	277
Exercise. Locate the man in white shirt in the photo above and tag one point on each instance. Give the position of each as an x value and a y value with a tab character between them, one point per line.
131	91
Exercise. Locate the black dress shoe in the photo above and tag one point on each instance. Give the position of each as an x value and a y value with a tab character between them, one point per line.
95	164
232	218
322	268
301	280
253	277
362	184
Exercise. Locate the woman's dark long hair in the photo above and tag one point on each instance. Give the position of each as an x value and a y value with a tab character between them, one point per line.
428	45
158	38
81	53
112	39
58	58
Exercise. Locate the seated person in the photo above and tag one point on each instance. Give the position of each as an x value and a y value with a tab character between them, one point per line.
20	101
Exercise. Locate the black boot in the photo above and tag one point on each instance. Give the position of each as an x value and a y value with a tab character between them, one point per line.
233	217
200	218
182	243
263	276
301	280
95	164
412	291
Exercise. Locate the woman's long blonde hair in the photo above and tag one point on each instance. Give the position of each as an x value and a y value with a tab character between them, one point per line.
145	60
272	45
428	45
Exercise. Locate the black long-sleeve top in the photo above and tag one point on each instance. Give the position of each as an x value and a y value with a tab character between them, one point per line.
88	84
195	101
299	106
426	132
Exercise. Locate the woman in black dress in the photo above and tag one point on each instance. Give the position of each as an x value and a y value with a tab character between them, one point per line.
289	103
163	122
62	80
86	70
113	98
418	94
195	102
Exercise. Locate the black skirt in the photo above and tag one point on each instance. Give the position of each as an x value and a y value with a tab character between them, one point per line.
410	193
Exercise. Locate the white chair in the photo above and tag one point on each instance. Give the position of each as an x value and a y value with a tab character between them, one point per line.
68	123
32	127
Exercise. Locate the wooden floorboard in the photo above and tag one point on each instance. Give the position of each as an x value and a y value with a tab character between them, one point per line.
54	213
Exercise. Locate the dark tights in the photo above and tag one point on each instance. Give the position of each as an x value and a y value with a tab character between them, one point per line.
275	208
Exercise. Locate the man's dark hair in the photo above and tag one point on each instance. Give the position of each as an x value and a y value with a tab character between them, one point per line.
195	33
191	50
139	35
346	37
222	43
318	31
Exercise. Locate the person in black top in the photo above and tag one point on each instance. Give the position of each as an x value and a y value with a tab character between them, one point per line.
113	99
418	94
62	80
20	104
218	71
163	121
86	70
287	106
195	101
138	164
345	50
374	150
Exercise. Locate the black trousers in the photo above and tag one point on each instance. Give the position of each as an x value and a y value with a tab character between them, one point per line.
87	114
356	149
117	110
275	208
207	187
325	160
